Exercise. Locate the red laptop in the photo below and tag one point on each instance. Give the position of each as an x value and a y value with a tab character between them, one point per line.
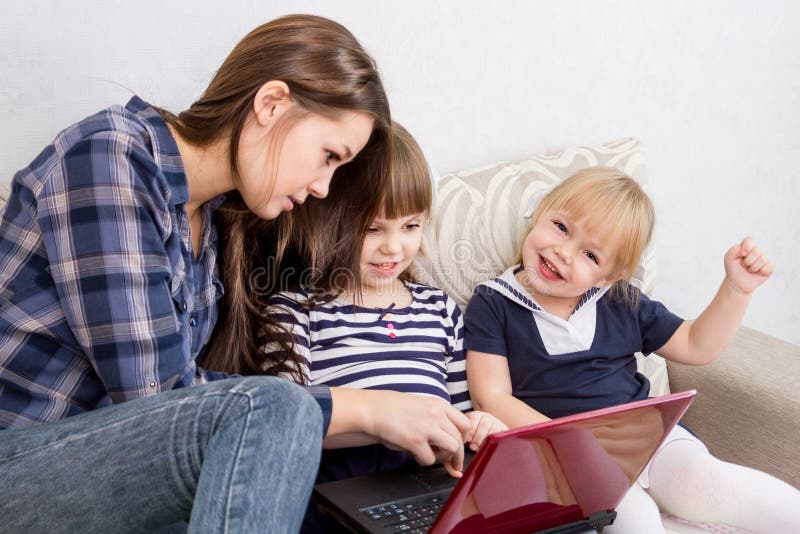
564	475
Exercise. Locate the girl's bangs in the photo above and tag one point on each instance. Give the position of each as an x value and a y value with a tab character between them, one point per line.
406	201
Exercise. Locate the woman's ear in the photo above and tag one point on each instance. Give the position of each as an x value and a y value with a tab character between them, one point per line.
272	100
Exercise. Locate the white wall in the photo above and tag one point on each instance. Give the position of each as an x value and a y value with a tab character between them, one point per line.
711	88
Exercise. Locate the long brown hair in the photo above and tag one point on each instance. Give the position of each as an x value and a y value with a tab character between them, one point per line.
327	72
407	190
410	187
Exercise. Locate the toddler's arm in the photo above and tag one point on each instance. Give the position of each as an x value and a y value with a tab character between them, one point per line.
490	388
701	341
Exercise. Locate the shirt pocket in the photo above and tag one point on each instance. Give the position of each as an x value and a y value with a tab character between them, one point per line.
179	292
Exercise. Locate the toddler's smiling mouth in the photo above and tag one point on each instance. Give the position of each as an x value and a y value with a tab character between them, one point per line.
549	270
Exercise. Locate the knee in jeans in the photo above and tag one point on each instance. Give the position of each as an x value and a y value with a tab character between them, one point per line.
284	403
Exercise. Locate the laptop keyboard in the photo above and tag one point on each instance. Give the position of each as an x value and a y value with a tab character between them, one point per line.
409	517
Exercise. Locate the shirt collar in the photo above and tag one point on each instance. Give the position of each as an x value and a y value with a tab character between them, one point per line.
507	285
165	150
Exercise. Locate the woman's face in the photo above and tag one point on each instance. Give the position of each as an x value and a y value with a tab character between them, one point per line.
312	149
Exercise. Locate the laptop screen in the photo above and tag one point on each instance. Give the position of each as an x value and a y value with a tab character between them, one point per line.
560	471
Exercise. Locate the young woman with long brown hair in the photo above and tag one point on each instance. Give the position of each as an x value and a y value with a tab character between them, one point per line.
115	247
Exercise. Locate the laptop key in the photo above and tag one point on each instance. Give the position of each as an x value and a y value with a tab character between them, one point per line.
418	520
406	517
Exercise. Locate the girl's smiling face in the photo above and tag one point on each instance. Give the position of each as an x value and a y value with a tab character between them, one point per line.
563	259
389	248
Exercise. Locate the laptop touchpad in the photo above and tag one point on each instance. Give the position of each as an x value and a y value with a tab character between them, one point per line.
434	479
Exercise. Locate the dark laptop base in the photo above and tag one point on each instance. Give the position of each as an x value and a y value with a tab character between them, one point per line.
423	488
387	517
593	525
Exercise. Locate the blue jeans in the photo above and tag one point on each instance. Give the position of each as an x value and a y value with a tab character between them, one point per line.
237	455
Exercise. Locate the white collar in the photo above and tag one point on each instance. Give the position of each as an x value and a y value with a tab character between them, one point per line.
558	335
509	286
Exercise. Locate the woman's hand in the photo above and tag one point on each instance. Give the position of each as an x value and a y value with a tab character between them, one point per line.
483	424
427	427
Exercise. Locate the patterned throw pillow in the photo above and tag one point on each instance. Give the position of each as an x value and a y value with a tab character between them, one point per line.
479	221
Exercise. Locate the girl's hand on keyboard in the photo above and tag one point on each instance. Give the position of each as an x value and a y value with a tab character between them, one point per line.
483	424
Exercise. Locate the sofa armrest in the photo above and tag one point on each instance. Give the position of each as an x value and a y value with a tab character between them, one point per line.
747	409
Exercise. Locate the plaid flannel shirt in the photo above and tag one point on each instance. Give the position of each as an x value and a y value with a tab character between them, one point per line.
101	297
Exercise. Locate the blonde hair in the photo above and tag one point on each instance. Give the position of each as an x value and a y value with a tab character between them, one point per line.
609	204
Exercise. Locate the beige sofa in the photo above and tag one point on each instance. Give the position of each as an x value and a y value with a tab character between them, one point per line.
748	406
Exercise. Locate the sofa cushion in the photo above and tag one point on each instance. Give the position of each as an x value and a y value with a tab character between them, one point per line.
478	221
747	403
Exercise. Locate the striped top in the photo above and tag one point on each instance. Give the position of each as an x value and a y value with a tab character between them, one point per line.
416	349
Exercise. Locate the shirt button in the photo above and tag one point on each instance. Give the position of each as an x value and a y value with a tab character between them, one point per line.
192	322
183	306
152	383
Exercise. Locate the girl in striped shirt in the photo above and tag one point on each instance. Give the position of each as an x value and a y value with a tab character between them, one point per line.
377	329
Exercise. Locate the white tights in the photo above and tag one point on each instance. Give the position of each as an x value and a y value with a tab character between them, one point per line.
686	481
